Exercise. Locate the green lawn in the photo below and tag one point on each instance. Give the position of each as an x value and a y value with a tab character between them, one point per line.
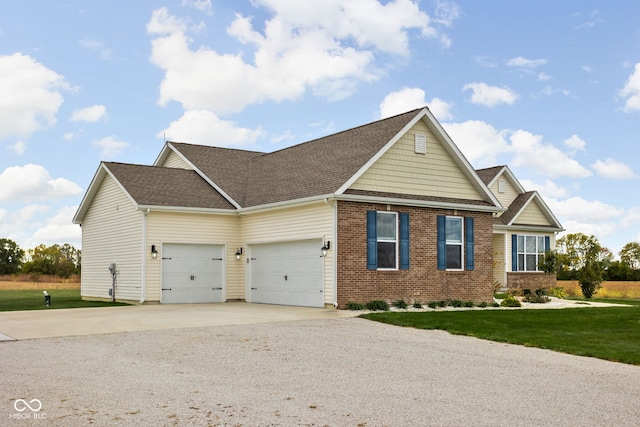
13	300
610	333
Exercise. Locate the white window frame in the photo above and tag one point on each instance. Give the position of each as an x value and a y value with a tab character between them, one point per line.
523	251
452	243
386	240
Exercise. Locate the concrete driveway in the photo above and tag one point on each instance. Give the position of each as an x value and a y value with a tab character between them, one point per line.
22	325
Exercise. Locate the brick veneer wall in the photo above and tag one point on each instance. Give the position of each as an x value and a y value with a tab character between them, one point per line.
423	282
533	281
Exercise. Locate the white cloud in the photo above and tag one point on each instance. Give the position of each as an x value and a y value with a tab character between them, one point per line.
586	69
480	142
545	159
485	61
613	169
203	6
585	216
326	48
525	63
33	182
544	77
548	190
18	147
408	99
31	96
90	114
96	46
111	146
68	136
205	127
490	96
575	142
59	229
631	91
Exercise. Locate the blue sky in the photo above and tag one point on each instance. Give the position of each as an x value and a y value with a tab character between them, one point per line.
550	88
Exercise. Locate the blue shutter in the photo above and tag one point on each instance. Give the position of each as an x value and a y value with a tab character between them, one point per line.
547	243
372	243
514	252
469	260
442	243
404	240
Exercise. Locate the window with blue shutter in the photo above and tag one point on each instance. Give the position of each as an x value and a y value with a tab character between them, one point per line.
455	247
387	240
442	243
469	249
527	251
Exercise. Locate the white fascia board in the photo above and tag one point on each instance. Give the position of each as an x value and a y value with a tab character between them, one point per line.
418	203
532	228
102	172
164	154
181	209
380	153
287	203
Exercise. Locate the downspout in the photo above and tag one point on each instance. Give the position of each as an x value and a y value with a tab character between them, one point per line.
335	251
143	291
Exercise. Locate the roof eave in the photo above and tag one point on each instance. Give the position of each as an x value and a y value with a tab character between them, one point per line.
418	203
538	228
186	209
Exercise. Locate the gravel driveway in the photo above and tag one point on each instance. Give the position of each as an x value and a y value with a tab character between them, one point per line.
340	372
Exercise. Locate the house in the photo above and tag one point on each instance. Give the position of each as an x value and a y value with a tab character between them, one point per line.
521	234
388	210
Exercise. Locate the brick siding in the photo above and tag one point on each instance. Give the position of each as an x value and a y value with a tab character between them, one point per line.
533	281
423	282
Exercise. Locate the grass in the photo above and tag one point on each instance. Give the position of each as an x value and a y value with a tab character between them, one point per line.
14	300
609	333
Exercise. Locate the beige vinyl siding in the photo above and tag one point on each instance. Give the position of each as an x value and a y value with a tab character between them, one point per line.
532	215
499	260
508	196
300	223
167	227
401	170
175	161
112	233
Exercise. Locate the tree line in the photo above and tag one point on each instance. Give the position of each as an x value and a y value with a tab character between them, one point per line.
582	258
55	260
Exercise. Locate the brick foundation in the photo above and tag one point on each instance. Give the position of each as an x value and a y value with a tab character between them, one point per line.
532	281
423	282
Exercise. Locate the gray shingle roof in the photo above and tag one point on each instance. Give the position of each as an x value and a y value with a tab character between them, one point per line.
514	208
488	174
159	186
313	168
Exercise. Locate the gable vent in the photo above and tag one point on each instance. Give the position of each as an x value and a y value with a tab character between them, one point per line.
421	144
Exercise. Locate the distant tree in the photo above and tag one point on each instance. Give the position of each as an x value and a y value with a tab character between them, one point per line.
618	270
586	258
630	255
549	264
11	257
55	260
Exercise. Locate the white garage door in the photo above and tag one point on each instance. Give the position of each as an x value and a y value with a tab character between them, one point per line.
287	273
191	273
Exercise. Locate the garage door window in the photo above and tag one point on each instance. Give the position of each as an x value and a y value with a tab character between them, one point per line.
387	240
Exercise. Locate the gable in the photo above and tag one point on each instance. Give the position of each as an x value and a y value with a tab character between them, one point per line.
173	160
402	170
509	193
532	214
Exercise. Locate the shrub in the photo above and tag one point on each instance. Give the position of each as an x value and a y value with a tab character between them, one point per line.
541	291
456	303
433	304
558	292
510	301
495	304
468	304
483	304
500	296
526	292
400	304
536	298
354	306
377	305
442	303
417	305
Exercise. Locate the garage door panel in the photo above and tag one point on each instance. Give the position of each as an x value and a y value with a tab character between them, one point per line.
192	273
288	273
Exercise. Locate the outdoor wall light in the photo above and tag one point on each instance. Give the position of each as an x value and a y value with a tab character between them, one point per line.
325	248
238	254
154	252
